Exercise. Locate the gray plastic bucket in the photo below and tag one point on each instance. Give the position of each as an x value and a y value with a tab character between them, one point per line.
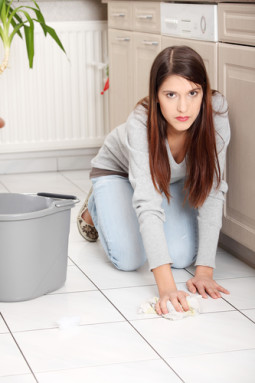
34	233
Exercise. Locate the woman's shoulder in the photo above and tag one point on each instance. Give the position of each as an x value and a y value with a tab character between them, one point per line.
220	117
219	103
139	115
136	128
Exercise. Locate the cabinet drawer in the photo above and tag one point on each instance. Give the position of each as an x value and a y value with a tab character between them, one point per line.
237	23
120	15
146	17
146	48
206	49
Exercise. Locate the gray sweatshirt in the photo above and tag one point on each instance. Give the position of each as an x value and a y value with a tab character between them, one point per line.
126	150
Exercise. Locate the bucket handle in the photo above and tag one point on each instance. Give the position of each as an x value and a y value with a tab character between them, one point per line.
73	198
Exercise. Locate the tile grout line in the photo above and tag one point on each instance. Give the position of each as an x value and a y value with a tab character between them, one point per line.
224	299
2	183
13	337
101	291
72	182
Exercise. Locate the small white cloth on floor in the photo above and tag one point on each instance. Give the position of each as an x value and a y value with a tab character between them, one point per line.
66	323
193	302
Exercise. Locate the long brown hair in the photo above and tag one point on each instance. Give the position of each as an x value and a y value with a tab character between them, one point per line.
201	151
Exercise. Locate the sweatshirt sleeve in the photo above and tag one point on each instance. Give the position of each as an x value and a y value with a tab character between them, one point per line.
146	200
210	213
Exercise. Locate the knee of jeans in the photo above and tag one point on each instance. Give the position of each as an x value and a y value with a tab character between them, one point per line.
126	259
183	256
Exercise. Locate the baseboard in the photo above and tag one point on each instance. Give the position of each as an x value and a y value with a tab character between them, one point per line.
239	251
45	161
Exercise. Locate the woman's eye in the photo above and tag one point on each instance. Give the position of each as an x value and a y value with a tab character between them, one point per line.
193	93
171	95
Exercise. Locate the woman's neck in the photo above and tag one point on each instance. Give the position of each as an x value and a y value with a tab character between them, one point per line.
177	143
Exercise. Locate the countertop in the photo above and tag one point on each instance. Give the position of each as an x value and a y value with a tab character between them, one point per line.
192	1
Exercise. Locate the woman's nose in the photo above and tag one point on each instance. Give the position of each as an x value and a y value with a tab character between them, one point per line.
182	105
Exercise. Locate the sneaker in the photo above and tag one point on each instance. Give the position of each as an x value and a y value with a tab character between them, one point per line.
86	230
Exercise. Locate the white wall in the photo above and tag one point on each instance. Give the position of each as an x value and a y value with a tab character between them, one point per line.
70	10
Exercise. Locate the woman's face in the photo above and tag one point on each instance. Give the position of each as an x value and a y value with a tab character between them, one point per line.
180	102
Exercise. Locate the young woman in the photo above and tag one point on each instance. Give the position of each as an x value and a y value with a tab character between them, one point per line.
157	181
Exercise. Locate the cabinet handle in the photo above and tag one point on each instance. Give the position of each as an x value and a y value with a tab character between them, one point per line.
118	14
145	17
122	38
150	42
171	21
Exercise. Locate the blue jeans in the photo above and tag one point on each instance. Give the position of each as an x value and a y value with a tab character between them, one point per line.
110	206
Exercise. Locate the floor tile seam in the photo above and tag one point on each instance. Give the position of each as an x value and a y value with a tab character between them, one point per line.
249	309
55	327
127	321
237	309
19	348
5	186
72	292
72	182
16	375
83	272
127	287
97	365
210	353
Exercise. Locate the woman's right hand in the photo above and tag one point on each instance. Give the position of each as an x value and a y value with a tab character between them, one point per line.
176	297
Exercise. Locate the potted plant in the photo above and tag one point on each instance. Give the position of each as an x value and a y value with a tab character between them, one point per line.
14	20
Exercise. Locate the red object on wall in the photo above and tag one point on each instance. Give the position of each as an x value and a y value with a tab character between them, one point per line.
2	123
106	86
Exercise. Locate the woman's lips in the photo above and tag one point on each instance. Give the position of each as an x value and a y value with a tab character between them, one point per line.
182	119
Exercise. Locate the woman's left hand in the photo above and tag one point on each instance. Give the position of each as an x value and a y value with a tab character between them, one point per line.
204	284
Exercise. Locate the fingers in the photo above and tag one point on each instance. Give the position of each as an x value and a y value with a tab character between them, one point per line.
201	291
191	286
184	303
212	290
178	301
161	307
225	291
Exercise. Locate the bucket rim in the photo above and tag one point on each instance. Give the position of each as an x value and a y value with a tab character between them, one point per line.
51	209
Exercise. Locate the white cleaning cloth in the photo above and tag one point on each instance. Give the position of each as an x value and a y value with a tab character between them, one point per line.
66	323
193	302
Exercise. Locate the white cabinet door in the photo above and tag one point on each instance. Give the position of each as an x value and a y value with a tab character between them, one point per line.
146	48
237	83
207	50
120	76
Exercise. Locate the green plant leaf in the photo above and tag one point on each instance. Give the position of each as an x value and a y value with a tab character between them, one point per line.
29	35
54	35
40	18
16	30
14	24
16	16
1	5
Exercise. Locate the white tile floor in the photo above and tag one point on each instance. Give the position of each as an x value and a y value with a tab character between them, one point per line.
111	342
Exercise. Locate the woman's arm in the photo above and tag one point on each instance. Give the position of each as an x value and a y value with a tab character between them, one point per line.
168	291
210	213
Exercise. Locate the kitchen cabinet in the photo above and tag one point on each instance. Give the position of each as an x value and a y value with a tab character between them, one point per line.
237	83
146	48
121	75
207	50
134	42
